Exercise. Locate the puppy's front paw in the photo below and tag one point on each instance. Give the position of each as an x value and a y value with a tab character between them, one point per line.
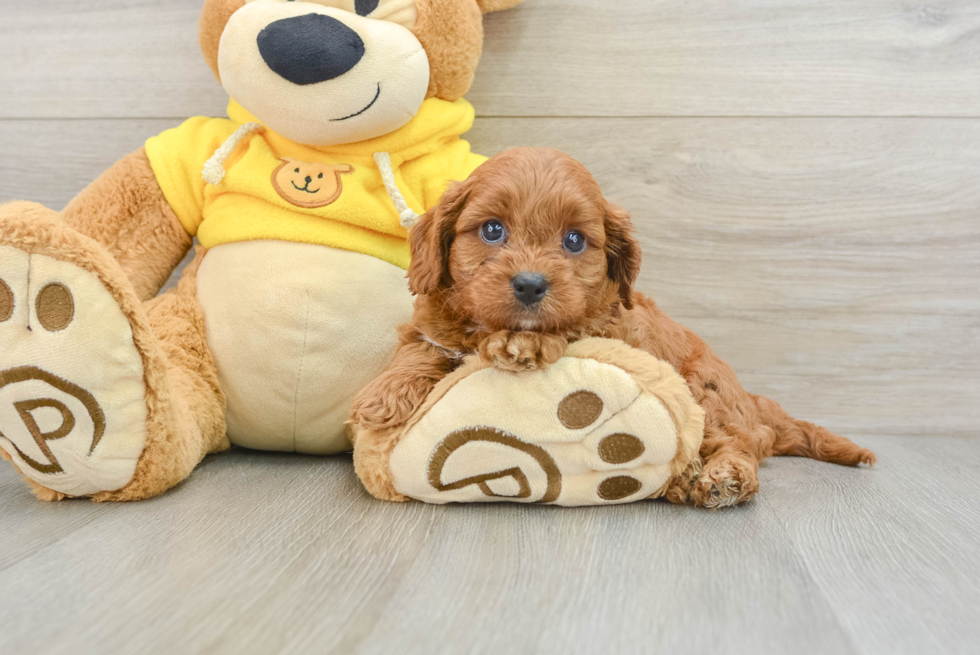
725	480
388	402
681	487
522	351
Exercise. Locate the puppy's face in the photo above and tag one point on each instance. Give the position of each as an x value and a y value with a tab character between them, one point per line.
526	243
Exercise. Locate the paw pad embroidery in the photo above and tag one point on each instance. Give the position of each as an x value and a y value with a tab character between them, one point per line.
55	308
579	409
620	448
72	395
558	441
6	302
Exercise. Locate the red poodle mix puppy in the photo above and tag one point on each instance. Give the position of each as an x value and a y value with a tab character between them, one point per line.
527	255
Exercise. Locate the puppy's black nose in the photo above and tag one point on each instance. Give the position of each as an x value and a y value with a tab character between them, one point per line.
310	49
529	288
308	179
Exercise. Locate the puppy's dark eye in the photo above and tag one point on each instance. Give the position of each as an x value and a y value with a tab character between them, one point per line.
320	176
574	241
365	7
492	231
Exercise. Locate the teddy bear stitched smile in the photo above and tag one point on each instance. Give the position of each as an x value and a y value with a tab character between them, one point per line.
326	72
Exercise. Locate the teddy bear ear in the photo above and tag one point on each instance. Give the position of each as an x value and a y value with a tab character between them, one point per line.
486	6
214	17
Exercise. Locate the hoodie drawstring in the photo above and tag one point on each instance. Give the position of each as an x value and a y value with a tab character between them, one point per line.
214	168
406	216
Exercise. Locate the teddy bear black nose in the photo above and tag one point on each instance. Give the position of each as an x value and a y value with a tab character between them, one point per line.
310	49
529	288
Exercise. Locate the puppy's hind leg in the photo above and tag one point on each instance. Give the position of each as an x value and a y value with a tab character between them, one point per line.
804	439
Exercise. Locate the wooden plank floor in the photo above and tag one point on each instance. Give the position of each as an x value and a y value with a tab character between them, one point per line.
279	553
803	175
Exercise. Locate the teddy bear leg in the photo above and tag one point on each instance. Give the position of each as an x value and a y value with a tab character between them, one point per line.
372	452
605	424
100	396
190	407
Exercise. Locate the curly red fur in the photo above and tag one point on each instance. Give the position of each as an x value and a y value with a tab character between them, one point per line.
466	305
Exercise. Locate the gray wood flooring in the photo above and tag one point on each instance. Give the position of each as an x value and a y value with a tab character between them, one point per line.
805	179
260	552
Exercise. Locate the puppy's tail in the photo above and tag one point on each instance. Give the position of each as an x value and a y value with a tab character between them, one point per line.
804	439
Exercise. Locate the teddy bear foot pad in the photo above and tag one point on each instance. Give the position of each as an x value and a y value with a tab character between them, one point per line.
72	399
582	432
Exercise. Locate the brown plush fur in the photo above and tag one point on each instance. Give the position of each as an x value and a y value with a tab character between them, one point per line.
124	210
451	31
466	305
185	408
486	6
214	17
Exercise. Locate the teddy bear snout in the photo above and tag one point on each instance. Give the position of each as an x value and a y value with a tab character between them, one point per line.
309	49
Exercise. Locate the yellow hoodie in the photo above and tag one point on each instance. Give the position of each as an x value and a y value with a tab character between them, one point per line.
334	196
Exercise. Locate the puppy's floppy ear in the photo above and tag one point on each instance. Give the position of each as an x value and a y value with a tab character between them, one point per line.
622	252
430	240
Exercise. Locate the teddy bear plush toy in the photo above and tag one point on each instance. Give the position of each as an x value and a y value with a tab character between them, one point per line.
344	123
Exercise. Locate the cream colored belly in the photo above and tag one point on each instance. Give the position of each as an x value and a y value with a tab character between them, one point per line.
296	330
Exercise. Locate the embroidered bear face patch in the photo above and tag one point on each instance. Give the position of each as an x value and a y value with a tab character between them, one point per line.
309	185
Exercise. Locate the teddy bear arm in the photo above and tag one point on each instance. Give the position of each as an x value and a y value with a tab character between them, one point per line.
125	211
